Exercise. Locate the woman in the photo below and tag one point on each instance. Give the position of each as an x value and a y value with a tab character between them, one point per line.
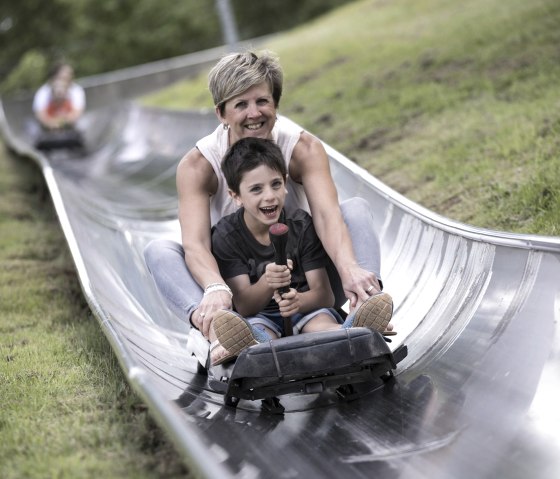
60	102
246	89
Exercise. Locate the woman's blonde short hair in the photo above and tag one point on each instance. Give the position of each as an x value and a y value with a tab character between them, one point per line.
235	73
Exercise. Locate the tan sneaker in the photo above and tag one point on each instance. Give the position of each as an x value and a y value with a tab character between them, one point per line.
374	313
233	332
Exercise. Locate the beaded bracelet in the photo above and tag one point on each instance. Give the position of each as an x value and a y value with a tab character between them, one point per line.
213	287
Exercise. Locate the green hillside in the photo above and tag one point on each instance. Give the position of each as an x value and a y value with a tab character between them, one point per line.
454	104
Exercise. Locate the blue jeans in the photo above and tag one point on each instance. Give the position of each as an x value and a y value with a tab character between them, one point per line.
275	322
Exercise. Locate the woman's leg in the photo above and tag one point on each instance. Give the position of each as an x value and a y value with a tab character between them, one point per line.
166	263
359	220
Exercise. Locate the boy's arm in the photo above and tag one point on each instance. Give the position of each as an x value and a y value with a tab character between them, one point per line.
320	294
249	299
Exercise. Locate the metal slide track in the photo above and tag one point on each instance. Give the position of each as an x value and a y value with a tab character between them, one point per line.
476	397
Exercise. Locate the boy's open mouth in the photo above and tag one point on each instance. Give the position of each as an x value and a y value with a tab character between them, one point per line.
269	210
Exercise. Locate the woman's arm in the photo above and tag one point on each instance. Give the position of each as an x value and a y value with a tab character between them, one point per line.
196	181
78	101
310	166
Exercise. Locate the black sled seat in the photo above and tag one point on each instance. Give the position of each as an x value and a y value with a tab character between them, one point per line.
66	138
307	363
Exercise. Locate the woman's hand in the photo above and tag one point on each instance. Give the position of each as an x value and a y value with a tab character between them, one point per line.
288	303
359	284
211	302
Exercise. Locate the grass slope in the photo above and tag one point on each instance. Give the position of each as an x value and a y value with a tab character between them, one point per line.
66	410
454	104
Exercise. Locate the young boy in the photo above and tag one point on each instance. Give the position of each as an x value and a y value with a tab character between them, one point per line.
256	172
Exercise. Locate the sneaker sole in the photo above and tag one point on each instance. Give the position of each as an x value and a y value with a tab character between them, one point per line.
375	313
233	332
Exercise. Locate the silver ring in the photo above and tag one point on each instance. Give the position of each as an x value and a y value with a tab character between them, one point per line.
369	289
202	315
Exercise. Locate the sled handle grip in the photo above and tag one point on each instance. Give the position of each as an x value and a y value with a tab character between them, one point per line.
278	234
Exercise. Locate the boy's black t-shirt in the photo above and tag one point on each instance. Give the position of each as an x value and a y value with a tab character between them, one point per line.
238	252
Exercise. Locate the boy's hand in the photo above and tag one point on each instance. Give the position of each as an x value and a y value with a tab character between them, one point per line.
288	303
278	275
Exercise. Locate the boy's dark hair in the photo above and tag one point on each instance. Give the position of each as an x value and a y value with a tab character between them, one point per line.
246	155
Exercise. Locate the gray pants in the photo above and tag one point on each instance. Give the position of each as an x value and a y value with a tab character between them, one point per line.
166	261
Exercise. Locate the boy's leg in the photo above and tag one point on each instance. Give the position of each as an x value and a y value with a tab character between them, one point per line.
320	322
373	314
166	263
234	334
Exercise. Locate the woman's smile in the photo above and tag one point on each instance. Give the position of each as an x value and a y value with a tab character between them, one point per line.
255	126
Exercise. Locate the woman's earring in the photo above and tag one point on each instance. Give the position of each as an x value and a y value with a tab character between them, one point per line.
225	126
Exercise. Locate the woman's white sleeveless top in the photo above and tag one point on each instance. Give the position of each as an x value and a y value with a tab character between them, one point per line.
214	146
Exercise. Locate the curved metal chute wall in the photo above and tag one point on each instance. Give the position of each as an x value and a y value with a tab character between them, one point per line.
478	310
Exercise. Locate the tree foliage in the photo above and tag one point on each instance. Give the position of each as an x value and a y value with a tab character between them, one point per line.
104	35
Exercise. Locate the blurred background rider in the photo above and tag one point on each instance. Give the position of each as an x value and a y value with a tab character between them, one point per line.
60	102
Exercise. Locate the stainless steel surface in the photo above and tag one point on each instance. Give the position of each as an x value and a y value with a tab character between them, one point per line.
477	396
